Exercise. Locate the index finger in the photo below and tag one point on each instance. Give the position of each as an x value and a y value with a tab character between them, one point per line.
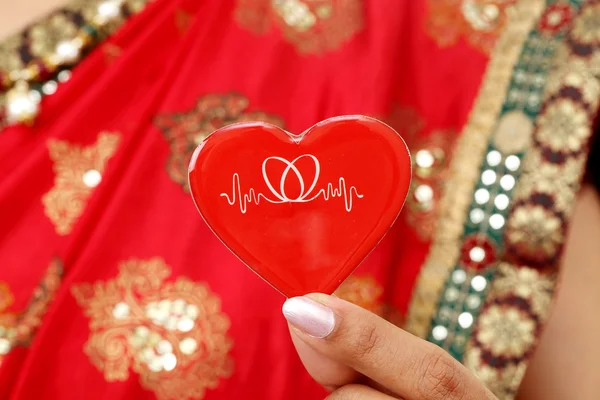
404	364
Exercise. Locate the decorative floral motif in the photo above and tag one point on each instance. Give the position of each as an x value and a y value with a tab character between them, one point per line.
526	283
478	21
478	252
312	26
430	165
535	233
502	381
171	333
505	331
45	36
18	328
9	55
586	28
431	157
563	126
186	130
556	18
550	181
78	171
364	291
406	121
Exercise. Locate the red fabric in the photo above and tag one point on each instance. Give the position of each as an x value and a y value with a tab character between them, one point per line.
139	212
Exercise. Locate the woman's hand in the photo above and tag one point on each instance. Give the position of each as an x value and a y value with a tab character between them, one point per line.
358	355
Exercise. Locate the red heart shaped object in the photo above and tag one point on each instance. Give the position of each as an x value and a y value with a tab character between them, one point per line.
301	211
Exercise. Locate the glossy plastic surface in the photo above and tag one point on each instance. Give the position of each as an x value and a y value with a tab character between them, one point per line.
302	211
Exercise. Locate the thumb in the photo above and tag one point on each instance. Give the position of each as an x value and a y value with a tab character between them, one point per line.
328	372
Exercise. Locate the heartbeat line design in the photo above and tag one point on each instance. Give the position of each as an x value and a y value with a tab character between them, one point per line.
341	190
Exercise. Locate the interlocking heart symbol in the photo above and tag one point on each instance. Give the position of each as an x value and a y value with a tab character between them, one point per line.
301	211
281	196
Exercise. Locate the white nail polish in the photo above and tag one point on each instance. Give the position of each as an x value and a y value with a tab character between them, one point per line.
310	317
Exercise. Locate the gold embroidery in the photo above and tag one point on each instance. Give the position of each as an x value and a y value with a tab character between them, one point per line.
183	20
586	28
185	131
312	26
464	169
406	121
513	134
111	52
505	331
480	22
18	328
431	157
535	233
549	179
499	380
78	171
563	127
364	291
46	35
6	297
9	54
171	333
525	282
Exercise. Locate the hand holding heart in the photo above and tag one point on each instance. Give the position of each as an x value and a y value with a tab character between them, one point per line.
358	355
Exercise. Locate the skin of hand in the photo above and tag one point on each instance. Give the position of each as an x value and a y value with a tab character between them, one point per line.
358	355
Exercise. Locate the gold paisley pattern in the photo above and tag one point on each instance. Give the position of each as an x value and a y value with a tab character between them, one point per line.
480	22
364	291
186	130
464	169
312	26
18	328
171	333
78	170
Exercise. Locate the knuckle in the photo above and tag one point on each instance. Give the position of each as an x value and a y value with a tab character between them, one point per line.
367	341
440	377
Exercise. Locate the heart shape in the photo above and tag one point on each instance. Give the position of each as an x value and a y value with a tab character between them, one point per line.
301	211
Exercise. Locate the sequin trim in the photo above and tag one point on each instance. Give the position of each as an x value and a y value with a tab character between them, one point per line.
518	302
465	172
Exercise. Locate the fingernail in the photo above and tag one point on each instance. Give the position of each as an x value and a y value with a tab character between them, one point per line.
310	317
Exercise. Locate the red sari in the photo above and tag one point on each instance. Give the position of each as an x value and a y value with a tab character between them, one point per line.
111	286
